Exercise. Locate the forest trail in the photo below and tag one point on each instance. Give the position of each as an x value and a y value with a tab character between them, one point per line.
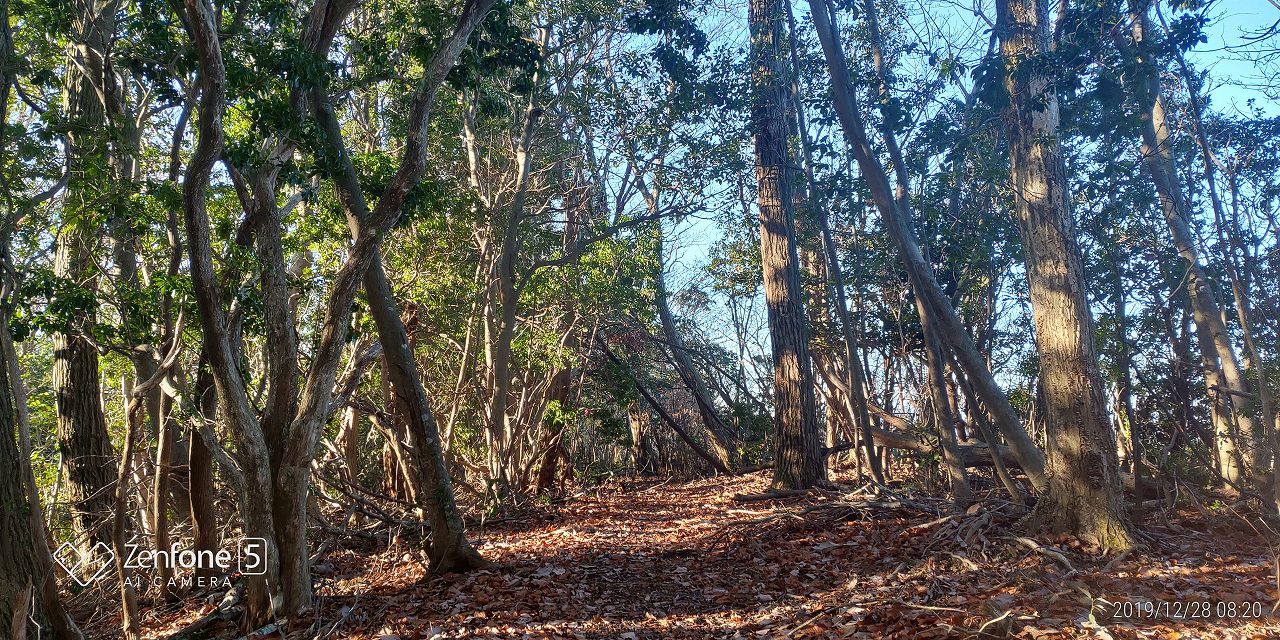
685	560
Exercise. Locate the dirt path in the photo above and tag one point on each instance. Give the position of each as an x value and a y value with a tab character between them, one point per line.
686	561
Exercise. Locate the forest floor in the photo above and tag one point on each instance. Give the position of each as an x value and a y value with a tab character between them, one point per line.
687	560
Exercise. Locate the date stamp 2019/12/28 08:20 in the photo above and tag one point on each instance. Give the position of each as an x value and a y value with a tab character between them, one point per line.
1140	609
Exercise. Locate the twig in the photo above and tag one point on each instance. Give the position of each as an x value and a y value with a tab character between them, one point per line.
1038	548
925	606
776	494
812	618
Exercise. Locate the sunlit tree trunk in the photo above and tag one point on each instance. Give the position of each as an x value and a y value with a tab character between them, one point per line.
1234	426
797	459
1239	270
1084	496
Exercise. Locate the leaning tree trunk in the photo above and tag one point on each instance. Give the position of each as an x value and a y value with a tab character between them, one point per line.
855	398
450	550
718	435
935	362
798	459
1240	276
1234	426
1084	496
896	214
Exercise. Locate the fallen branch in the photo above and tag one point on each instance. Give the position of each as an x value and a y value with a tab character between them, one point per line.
666	418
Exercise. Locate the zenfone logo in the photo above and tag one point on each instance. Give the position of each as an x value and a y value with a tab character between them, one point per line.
84	567
252	556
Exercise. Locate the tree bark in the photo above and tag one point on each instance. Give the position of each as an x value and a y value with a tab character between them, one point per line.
450	550
85	446
201	494
16	563
1085	496
798	463
19	512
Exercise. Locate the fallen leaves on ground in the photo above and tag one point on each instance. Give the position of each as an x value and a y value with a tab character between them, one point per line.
684	560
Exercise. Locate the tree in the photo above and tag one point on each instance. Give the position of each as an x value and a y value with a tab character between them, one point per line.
1084	496
82	428
16	544
798	462
1239	452
273	494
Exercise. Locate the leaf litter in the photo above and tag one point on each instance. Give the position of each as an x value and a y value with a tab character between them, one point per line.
687	560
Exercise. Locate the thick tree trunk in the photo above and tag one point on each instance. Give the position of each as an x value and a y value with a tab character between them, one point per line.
86	449
798	462
44	578
16	563
1084	496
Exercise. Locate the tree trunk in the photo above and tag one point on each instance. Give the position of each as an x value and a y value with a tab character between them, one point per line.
1239	272
1234	426
896	214
85	446
798	463
855	399
201	494
450	550
1124	382
16	563
718	436
638	423
935	362
1084	496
